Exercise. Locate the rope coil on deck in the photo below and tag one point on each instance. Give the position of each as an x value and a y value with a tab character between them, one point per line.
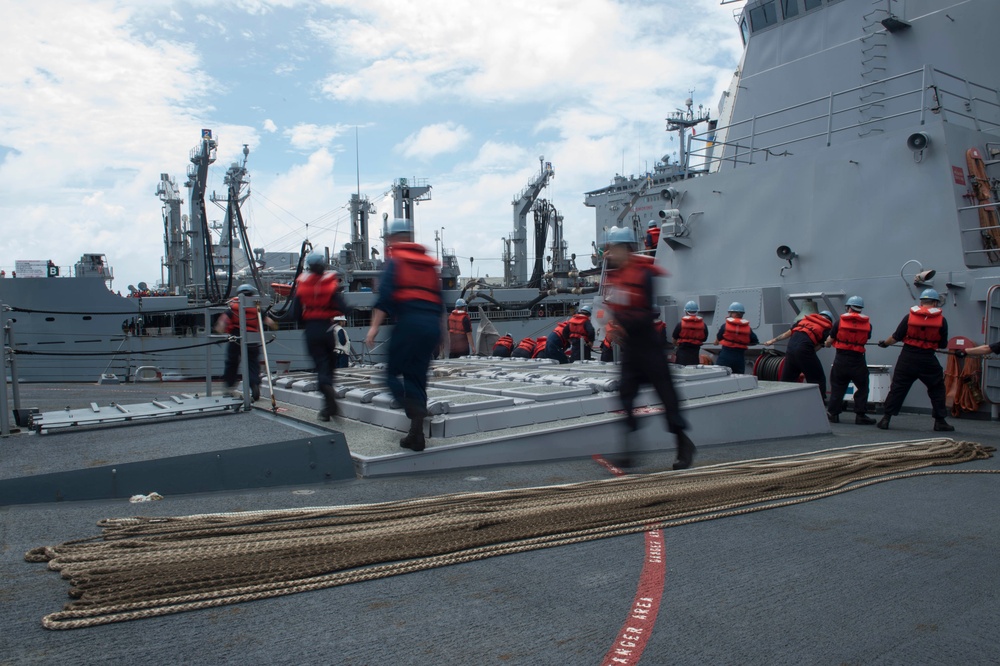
145	567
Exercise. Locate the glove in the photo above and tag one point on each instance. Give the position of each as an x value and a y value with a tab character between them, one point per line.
960	353
882	344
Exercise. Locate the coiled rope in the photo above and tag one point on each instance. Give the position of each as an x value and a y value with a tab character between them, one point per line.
146	567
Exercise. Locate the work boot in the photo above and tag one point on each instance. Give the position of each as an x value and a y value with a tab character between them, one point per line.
685	451
863	419
884	423
255	393
331	409
940	425
833	418
414	439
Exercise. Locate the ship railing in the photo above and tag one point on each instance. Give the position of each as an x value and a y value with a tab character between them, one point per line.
912	94
986	256
502	315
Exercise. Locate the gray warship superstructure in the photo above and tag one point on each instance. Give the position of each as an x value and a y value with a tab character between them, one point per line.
75	328
842	161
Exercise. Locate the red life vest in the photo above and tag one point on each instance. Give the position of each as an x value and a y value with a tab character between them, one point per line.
505	342
539	347
316	292
234	318
693	331
813	325
923	328
562	330
578	327
527	344
627	286
737	334
416	274
654	237
853	332
456	322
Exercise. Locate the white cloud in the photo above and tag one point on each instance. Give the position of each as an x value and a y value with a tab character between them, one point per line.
269	126
306	136
434	140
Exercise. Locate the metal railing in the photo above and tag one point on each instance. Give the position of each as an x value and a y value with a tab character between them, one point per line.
826	119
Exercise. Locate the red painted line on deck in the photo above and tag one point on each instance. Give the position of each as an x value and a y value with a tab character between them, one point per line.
638	627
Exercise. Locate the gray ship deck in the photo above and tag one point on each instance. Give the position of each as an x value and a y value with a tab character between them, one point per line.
900	572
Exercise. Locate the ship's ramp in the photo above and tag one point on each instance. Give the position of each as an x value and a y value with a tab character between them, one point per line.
486	411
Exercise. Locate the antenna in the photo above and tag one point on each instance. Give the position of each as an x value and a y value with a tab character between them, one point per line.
357	160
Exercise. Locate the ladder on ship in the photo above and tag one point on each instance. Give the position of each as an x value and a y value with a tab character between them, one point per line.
186	404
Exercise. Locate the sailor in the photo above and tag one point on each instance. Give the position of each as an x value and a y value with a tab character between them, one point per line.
981	350
652	237
539	351
660	327
3	273
807	335
630	300
410	292
317	302
503	346
524	349
460	331
229	323
556	342
612	339
341	342
689	334
735	335
923	330
581	334
848	336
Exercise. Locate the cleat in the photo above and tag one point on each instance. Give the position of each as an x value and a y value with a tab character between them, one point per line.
833	418
883	424
943	426
861	419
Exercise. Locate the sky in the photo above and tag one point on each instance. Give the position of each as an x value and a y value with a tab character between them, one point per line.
99	97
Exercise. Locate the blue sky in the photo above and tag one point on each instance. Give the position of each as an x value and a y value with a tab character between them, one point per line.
97	98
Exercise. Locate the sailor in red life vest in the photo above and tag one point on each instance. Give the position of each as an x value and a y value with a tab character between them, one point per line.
503	346
689	334
734	336
849	335
524	349
229	322
410	292
922	331
807	335
317	302
612	337
460	331
581	334
630	300
539	351
660	327
652	237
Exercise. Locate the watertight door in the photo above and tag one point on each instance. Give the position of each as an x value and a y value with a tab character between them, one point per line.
991	368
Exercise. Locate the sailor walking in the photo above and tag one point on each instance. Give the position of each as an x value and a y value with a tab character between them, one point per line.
689	334
409	291
848	336
630	300
923	330
229	323
317	303
460	331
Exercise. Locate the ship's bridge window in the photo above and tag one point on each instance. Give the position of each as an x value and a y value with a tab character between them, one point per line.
789	8
745	30
763	15
813	4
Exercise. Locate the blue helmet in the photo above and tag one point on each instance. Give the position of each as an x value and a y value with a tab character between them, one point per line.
856	302
737	307
620	235
930	295
690	306
585	309
400	226
827	314
246	289
652	224
460	303
315	259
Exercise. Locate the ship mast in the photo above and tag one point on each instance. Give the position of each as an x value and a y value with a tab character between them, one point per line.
202	156
522	204
176	257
